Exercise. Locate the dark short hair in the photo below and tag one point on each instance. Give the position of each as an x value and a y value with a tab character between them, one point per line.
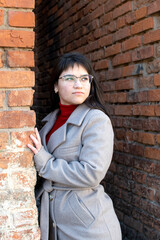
95	98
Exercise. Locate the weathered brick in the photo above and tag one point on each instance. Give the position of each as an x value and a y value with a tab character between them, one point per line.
132	70
17	119
21	19
111	4
143	25
121	59
126	7
20	98
1	59
124	84
157	79
114	74
22	159
152	36
106	18
17	4
121	21
102	64
1	16
123	110
16	79
4	139
113	50
141	13
20	58
154	95
105	41
2	97
153	153
143	137
15	38
23	217
21	139
153	7
131	43
143	53
143	110
121	34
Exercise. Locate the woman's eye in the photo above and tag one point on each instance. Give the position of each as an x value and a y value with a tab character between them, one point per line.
85	79
69	79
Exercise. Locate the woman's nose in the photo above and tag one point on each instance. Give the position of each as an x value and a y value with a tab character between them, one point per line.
77	84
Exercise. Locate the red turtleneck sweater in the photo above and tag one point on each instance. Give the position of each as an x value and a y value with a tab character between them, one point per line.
65	112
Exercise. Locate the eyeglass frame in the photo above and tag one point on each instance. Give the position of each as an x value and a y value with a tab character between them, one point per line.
90	77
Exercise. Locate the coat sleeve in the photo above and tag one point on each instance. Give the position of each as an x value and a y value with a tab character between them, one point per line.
94	159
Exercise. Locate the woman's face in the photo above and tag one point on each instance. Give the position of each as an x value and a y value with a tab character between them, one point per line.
70	92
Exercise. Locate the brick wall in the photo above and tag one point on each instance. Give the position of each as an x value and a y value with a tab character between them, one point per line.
18	212
122	40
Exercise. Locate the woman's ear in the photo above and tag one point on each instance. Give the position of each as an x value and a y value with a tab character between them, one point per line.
55	88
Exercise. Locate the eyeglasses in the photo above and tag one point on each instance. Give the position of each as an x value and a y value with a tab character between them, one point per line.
84	79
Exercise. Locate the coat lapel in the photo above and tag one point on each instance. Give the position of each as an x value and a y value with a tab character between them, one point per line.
59	136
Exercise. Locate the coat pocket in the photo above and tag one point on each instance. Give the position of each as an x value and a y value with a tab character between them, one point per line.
80	210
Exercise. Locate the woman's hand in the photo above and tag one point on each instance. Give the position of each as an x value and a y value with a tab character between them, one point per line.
37	142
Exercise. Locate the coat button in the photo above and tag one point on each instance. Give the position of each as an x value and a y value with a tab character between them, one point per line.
51	198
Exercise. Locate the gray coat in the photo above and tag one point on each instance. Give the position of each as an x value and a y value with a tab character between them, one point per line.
73	163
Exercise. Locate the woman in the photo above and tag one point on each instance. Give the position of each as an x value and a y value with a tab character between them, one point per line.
73	153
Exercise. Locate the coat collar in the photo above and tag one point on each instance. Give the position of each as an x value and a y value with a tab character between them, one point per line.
59	136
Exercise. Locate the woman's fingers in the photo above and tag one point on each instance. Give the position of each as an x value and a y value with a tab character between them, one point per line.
36	141
33	149
37	135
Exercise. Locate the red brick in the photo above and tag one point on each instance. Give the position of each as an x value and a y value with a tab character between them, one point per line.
152	153
22	159
131	43
145	138
130	18
1	59
144	192
154	95
20	98
126	7
105	41
141	13
143	53
157	79
20	58
157	196
101	64
121	34
158	138
152	36
128	70
143	25
143	110
112	26
21	19
105	19
15	38
17	119
4	138
124	84
121	59
121	21
2	97
16	79
1	16
123	110
154	7
17	4
111	4
153	182
114	74
113	50
21	139
157	110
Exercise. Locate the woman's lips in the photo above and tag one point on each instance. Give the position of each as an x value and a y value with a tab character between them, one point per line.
77	93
